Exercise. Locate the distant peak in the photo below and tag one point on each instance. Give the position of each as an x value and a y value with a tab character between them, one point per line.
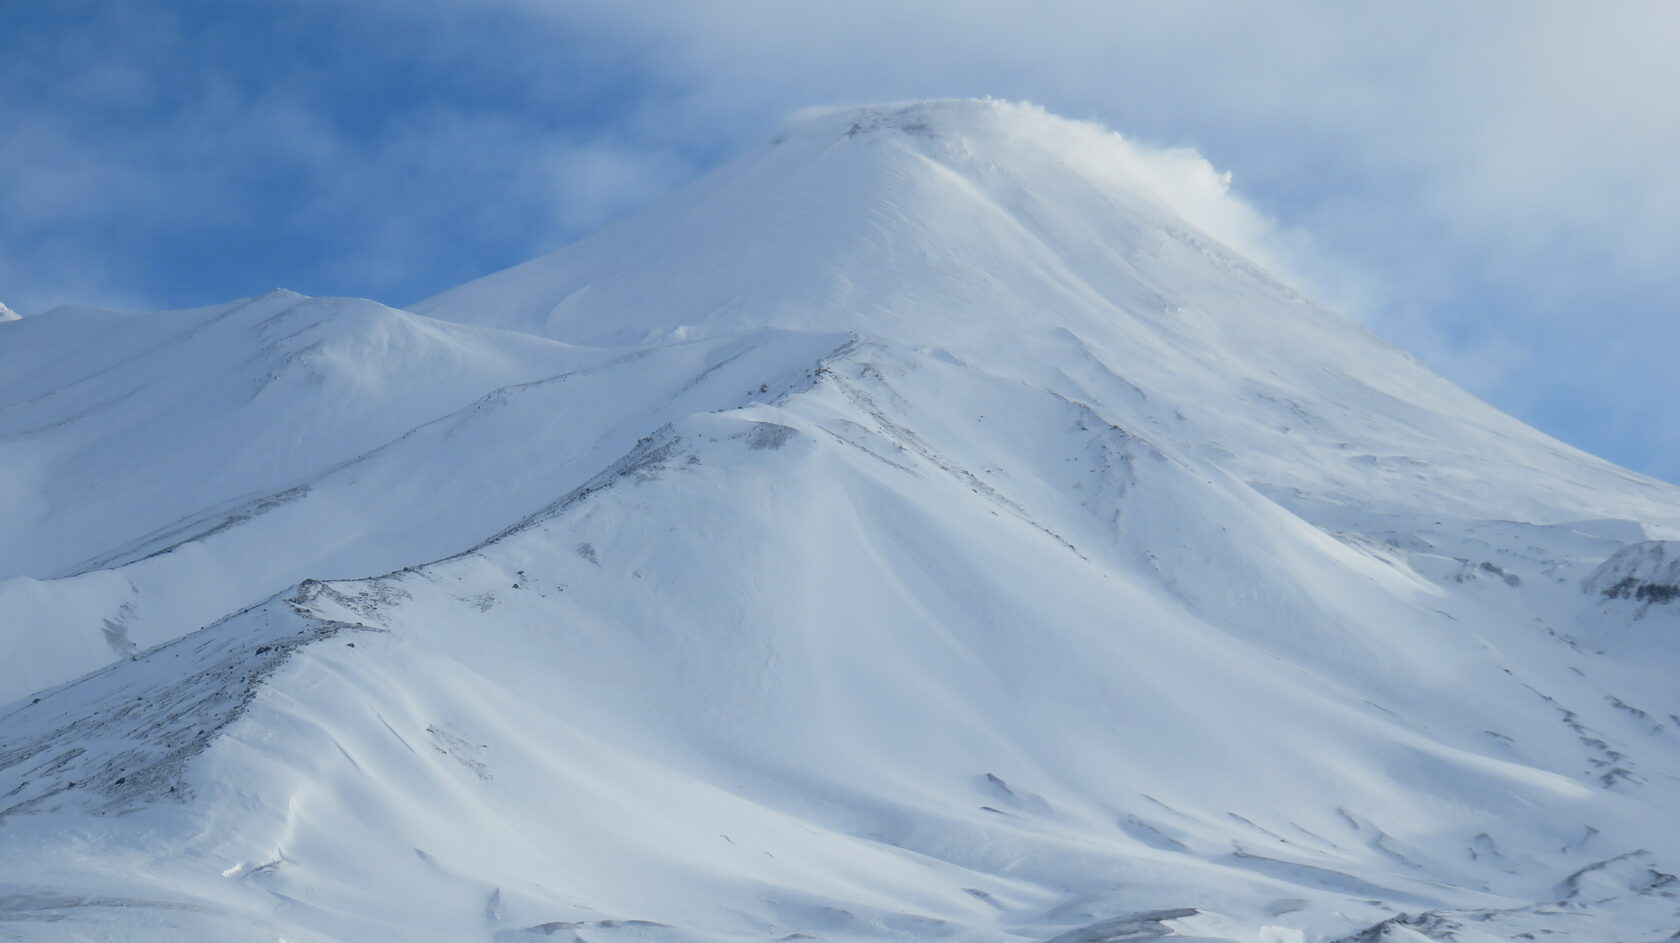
7	314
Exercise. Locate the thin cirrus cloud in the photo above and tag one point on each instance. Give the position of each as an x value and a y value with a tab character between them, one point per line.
1491	185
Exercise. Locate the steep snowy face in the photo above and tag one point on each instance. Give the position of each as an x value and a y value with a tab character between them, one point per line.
1060	255
931	223
928	525
947	223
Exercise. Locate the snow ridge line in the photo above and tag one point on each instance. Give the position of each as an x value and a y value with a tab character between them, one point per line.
151	731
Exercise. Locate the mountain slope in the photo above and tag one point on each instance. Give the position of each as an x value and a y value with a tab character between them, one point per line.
354	439
920	528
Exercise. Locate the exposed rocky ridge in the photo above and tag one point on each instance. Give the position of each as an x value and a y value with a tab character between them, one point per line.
1646	572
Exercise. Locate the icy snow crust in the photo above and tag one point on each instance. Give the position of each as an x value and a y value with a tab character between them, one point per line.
926	526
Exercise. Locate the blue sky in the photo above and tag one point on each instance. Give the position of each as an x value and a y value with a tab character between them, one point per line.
1493	186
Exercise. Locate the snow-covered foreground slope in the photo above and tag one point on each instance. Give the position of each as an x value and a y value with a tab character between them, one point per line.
921	528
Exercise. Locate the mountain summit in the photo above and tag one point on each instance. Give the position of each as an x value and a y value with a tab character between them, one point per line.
1005	216
933	523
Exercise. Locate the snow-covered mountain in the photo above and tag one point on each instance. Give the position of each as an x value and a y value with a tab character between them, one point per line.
926	525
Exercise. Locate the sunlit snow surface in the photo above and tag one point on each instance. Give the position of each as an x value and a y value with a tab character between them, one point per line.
923	527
